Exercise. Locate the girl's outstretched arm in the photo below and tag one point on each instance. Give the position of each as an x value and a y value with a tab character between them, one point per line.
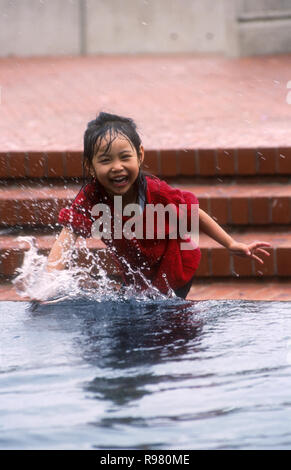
61	248
212	229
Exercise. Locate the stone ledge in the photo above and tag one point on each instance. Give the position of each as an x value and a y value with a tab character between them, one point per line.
179	101
210	290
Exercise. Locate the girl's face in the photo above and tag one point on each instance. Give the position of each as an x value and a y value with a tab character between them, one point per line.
118	169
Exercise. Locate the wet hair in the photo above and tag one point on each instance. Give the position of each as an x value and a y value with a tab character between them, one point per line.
111	126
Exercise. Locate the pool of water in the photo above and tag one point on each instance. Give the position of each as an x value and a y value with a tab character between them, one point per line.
156	374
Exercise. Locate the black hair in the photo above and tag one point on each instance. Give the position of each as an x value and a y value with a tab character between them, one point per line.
110	125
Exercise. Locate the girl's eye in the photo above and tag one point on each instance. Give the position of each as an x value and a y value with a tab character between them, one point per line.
125	157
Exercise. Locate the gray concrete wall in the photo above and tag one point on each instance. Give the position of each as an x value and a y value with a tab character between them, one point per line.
71	27
263	27
151	26
46	27
39	27
263	6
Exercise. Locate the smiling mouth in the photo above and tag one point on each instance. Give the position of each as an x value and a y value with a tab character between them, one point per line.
119	180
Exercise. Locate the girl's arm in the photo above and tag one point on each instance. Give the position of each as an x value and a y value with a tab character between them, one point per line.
58	256
213	230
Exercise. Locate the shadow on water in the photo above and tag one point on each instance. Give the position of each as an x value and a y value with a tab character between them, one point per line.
124	340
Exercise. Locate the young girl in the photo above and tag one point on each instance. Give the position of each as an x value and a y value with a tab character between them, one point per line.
113	157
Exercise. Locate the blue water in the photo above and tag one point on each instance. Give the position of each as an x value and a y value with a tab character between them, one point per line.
130	374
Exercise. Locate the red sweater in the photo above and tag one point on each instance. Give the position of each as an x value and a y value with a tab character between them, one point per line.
160	261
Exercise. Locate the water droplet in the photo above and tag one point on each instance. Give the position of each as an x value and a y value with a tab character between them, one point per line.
174	36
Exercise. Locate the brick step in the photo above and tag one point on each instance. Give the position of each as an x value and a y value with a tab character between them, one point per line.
244	204
236	289
240	289
228	204
161	162
216	261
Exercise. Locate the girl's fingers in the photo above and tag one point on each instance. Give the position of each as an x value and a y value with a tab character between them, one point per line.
257	258
263	251
253	250
256	245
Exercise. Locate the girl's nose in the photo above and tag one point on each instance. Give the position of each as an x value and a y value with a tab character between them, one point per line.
116	165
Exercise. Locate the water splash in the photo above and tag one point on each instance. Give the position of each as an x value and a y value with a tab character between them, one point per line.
34	281
89	280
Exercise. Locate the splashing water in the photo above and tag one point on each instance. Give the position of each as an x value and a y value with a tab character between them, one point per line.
34	281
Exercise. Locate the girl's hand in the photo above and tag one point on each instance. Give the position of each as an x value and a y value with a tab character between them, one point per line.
253	250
